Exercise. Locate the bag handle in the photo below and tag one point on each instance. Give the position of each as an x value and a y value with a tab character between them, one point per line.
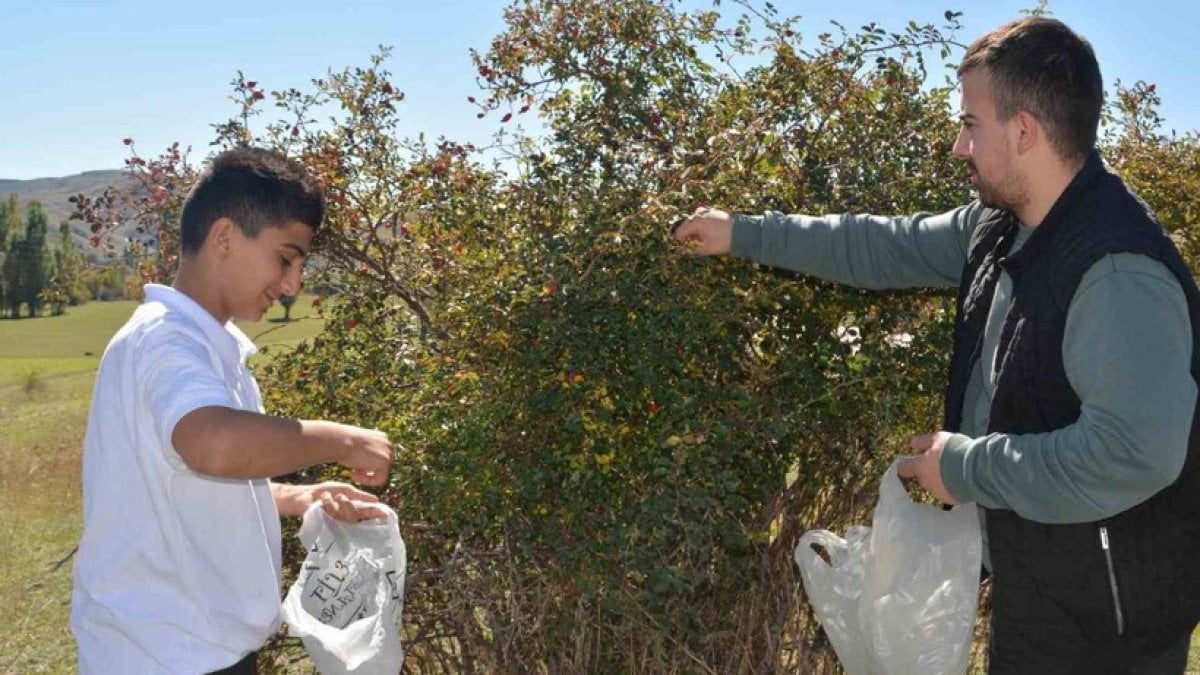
827	540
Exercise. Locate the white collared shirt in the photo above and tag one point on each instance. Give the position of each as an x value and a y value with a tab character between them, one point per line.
176	572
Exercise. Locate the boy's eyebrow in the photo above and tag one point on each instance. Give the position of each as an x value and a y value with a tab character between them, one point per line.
964	116
302	252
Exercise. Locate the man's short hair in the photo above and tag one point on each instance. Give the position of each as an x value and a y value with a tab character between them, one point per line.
1042	67
253	187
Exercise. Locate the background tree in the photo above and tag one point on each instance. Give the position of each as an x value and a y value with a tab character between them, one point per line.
35	272
1163	167
10	225
64	286
287	301
25	267
10	219
12	272
109	282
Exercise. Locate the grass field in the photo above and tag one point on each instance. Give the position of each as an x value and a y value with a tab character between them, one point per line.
47	367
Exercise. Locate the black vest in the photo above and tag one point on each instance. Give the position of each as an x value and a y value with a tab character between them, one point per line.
1057	585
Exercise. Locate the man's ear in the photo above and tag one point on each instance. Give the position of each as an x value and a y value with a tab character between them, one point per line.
220	236
1029	131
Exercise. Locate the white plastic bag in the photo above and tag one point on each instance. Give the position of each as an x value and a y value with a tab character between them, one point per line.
346	604
900	596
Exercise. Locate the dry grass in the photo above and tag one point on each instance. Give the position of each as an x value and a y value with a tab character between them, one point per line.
39	518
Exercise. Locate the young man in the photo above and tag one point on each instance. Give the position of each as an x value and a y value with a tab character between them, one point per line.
1071	409
179	565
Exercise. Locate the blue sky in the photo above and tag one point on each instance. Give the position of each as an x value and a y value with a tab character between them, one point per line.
77	77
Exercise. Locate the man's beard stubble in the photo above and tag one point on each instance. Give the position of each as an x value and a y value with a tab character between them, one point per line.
993	195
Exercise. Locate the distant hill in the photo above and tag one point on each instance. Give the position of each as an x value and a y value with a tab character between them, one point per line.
54	192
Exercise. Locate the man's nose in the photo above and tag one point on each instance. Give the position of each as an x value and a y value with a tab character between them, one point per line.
961	147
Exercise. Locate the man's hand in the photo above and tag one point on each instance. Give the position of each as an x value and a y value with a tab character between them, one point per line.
341	501
711	230
926	468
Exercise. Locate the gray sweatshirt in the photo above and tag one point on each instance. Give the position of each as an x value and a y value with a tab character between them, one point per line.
1127	351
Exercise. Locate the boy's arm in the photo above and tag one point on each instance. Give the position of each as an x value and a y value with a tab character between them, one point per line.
200	426
228	443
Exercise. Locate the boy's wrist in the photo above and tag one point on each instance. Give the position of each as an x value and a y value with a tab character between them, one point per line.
331	440
291	500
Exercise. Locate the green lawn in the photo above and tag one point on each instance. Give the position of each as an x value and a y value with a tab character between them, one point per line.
73	341
47	368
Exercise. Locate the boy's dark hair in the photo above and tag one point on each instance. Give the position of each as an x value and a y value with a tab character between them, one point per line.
253	187
1040	66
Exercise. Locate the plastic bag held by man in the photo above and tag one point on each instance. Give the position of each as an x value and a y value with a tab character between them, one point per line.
346	604
900	596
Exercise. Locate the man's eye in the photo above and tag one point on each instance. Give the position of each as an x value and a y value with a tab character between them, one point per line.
285	262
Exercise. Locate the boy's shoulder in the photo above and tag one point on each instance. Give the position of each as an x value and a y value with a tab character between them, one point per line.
169	325
151	319
156	324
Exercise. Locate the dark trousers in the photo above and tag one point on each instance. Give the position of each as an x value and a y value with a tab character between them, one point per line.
249	666
1171	662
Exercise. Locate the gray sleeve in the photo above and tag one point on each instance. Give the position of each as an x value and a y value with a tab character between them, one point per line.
864	251
1127	351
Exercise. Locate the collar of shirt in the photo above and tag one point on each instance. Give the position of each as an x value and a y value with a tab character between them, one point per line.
229	340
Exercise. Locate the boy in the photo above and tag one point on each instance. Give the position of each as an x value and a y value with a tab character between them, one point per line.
179	565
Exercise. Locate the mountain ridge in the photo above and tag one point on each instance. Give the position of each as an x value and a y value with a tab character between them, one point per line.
54	193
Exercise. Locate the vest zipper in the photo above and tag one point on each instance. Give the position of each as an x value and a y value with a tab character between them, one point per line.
1112	580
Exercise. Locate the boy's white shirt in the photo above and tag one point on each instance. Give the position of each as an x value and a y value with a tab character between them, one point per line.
176	572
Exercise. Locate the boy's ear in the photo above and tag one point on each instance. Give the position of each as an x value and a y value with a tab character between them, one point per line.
220	236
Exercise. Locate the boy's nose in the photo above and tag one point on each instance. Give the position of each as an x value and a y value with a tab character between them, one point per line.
292	283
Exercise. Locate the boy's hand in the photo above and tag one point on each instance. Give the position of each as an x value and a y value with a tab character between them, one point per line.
347	503
710	229
368	455
342	501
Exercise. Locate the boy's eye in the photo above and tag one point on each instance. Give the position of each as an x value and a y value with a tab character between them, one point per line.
285	262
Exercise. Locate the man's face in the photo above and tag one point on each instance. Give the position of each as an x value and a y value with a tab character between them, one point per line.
986	144
263	268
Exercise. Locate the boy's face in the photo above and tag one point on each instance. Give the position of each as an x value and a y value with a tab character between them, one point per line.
256	271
